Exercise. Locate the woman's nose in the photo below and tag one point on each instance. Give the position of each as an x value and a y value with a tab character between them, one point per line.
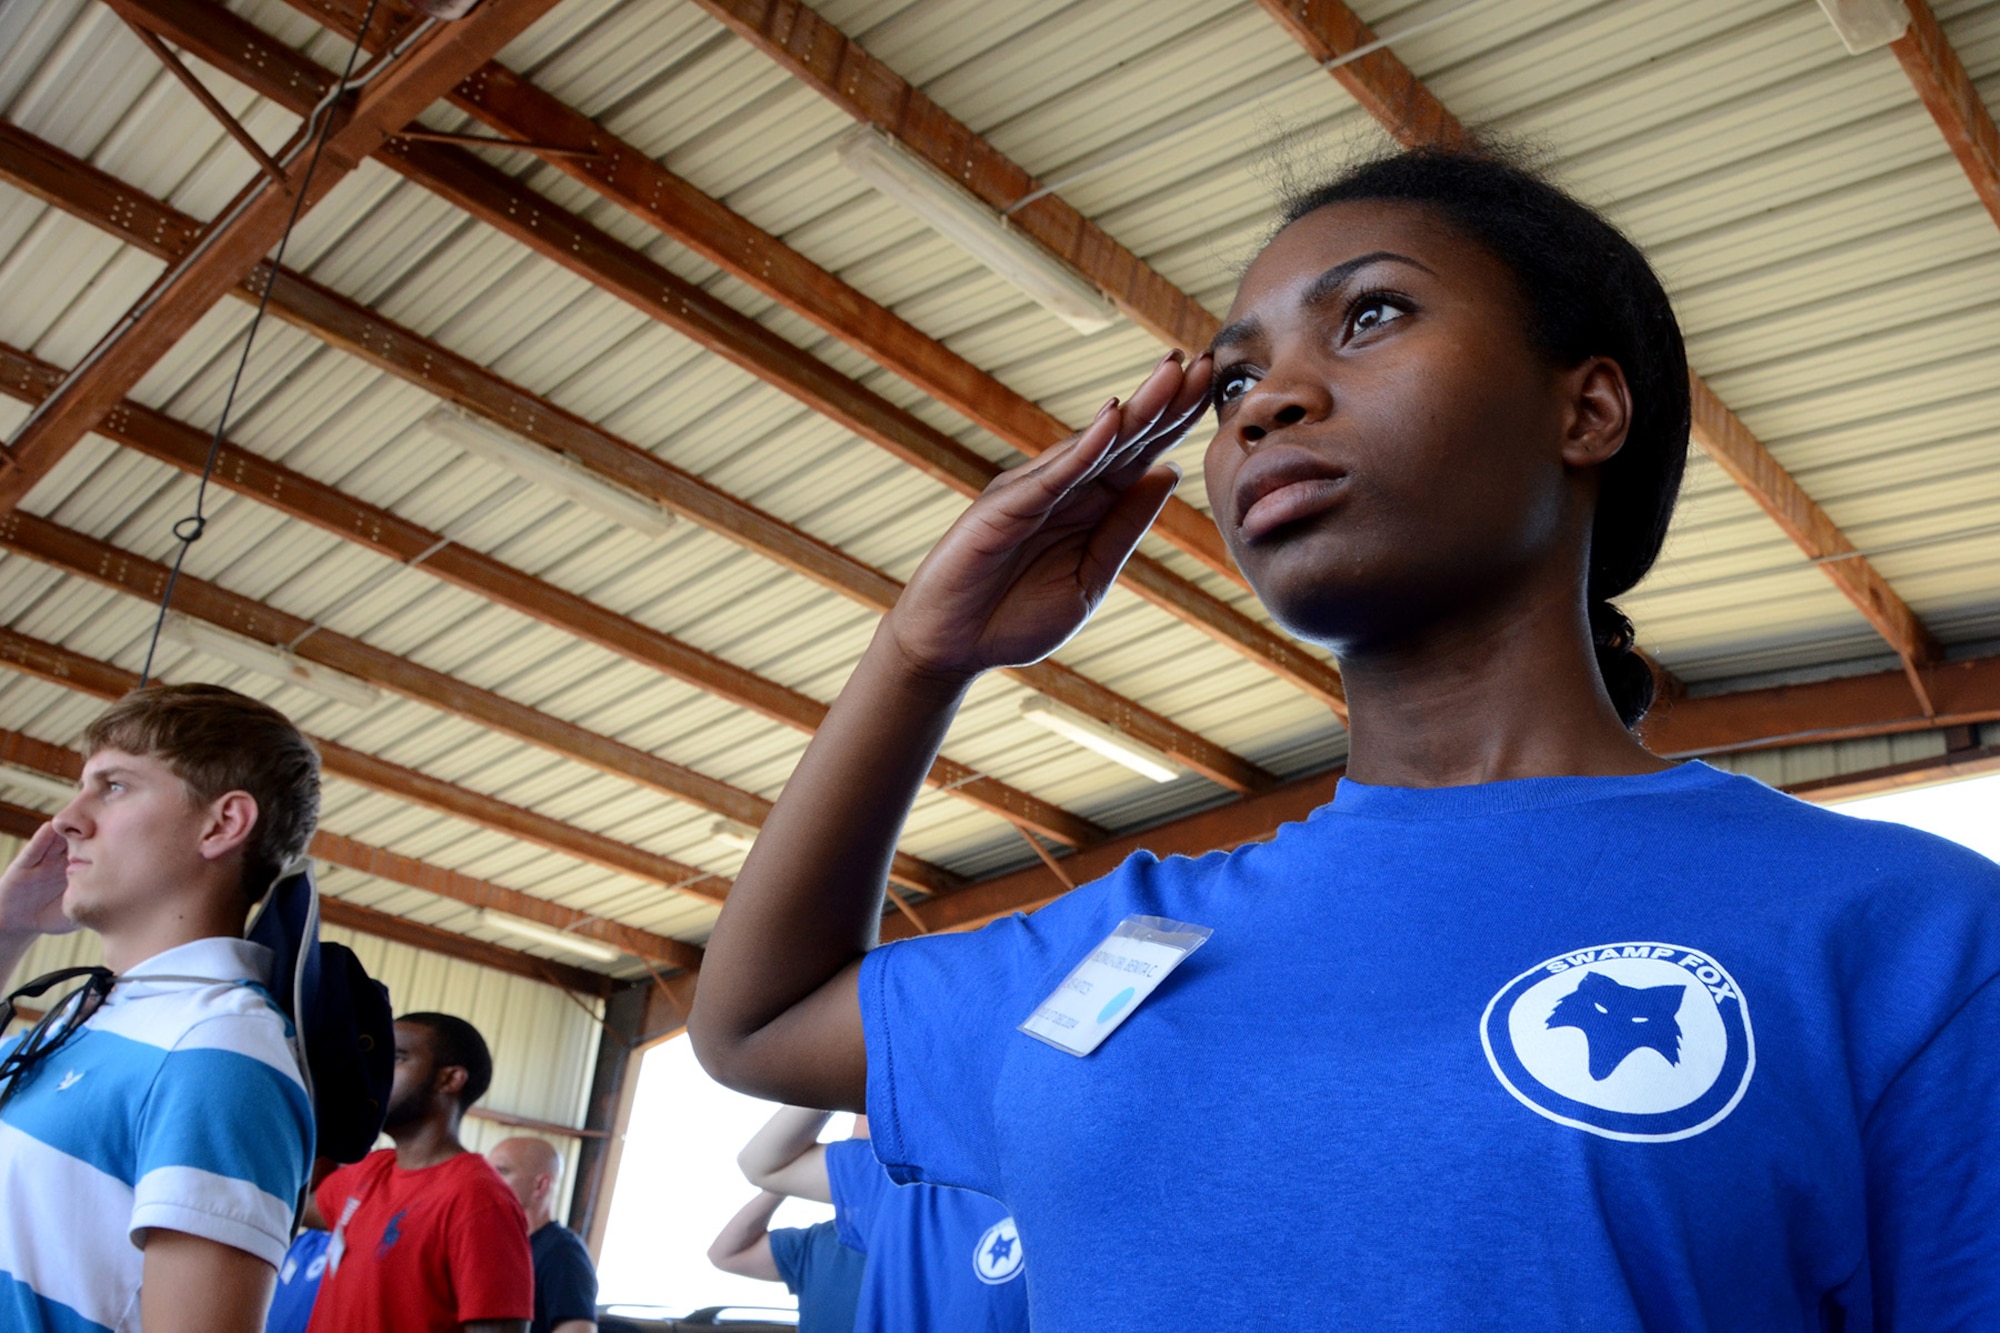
1289	414
1279	400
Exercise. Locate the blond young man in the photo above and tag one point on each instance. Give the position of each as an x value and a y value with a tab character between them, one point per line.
152	1157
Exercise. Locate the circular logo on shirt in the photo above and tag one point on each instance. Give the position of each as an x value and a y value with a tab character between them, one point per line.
1643	1041
998	1258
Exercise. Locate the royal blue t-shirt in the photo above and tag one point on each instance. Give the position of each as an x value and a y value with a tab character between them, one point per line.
939	1260
1662	1052
823	1273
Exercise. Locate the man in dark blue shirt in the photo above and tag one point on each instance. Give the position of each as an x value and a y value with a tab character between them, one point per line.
565	1280
811	1261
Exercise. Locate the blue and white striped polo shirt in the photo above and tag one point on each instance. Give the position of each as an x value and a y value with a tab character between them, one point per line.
179	1106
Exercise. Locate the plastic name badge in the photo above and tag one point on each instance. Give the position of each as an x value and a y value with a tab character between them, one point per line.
1102	991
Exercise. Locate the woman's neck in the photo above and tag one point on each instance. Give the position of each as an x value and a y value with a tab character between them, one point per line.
1510	690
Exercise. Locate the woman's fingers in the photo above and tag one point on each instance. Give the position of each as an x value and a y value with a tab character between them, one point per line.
1140	417
1117	534
1110	454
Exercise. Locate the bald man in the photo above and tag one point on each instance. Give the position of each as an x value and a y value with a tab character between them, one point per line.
565	1282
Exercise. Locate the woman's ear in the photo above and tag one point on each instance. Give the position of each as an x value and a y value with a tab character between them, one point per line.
1600	412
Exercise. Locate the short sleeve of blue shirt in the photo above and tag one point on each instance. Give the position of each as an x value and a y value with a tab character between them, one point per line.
222	1140
788	1247
1934	1179
822	1272
859	1183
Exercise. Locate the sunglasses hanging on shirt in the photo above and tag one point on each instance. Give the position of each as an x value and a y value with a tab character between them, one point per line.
63	1020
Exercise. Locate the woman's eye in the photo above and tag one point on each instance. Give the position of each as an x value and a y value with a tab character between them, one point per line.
1373	312
1232	384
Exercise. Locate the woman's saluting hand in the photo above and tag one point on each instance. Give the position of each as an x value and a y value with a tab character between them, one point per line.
1026	564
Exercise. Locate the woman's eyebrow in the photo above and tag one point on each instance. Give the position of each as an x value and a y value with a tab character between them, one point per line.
1242	331
1325	286
1335	278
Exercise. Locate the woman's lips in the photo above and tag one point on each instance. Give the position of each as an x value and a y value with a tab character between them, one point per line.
1289	503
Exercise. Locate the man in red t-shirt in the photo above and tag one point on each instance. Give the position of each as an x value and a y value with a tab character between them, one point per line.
426	1236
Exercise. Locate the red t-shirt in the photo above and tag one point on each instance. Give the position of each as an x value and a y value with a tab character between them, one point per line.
421	1251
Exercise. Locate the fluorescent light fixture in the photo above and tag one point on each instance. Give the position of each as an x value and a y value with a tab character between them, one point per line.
269	660
732	834
1865	25
40	784
549	935
551	470
964	219
1091	734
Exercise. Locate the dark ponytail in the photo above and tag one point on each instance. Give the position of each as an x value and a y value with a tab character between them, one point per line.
1627	677
1588	292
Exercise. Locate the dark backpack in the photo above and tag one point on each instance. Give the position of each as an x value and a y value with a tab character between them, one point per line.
342	1029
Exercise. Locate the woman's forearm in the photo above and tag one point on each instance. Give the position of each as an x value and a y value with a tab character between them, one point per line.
808	901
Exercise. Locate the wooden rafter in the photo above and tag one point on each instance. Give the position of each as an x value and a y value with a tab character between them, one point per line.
138	219
1965	693
835	66
72	670
56	761
622	173
86	557
20	822
182	446
437	60
1391	93
1953	100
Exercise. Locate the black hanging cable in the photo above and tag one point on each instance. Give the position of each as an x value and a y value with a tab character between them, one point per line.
187	531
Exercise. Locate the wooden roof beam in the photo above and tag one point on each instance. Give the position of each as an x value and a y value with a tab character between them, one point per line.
835	66
1950	96
182	446
600	259
20	822
1965	692
72	670
508	102
99	562
57	761
87	193
1390	92
438	58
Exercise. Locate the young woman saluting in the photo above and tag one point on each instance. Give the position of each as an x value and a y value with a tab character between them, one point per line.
1529	1028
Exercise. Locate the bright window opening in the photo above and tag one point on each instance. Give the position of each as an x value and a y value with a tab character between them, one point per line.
679	1183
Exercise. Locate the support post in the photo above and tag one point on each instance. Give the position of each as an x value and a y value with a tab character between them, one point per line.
636	1018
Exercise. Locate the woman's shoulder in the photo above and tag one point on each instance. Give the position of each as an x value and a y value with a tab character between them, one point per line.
1839	843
